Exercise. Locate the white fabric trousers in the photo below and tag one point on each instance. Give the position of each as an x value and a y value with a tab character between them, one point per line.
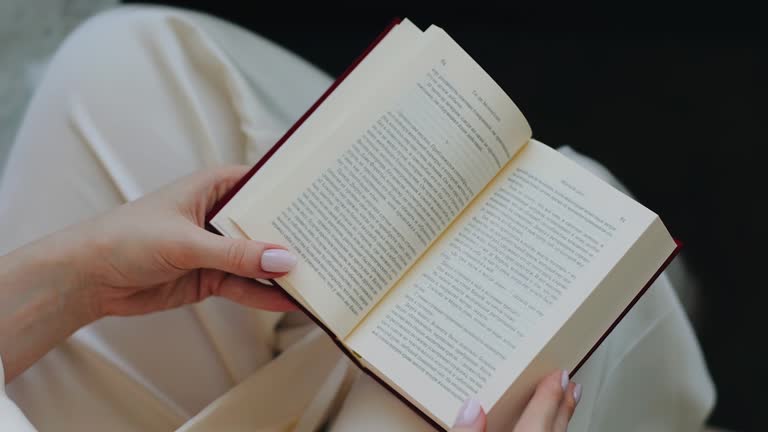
138	97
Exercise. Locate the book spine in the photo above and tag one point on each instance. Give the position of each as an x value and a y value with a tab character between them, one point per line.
232	192
356	360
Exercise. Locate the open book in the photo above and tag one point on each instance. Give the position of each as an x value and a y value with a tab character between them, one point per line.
445	250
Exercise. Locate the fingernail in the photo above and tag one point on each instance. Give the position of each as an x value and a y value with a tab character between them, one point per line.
564	380
277	260
468	414
577	393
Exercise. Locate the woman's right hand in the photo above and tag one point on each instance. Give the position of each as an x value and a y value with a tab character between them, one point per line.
549	410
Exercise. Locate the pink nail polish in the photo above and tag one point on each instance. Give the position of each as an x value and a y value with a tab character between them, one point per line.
577	393
564	380
468	414
277	260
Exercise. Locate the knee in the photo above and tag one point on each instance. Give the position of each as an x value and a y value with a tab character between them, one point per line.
110	58
122	21
107	46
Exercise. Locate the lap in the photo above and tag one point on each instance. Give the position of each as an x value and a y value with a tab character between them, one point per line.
140	96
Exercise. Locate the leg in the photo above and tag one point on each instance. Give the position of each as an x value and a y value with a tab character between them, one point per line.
132	100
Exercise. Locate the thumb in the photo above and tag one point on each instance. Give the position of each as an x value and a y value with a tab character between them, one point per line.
246	258
471	418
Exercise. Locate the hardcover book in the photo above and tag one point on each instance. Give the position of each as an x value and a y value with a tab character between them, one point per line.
444	249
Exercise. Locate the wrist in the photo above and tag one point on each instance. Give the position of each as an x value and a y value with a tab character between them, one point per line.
44	301
47	277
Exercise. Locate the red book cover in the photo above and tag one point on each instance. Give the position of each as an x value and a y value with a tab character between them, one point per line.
219	205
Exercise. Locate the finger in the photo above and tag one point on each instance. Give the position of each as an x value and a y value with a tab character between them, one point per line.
247	258
471	418
251	293
221	180
539	415
567	407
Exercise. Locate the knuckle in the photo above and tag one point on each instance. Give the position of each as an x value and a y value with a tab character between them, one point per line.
236	254
551	389
183	251
570	405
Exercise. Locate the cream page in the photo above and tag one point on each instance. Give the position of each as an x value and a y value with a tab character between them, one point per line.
376	194
388	55
472	313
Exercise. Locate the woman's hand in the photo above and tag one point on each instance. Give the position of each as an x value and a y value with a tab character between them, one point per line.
145	256
153	254
549	410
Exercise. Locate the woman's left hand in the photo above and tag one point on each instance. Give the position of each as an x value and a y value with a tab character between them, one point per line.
148	255
153	254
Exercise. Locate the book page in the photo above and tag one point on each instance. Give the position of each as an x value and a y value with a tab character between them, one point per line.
377	192
472	313
377	65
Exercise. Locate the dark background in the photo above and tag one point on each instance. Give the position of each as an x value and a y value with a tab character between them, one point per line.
681	117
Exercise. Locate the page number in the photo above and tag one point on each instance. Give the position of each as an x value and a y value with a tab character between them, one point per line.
622	219
443	62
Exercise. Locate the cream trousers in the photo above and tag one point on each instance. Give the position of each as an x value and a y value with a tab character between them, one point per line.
139	96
